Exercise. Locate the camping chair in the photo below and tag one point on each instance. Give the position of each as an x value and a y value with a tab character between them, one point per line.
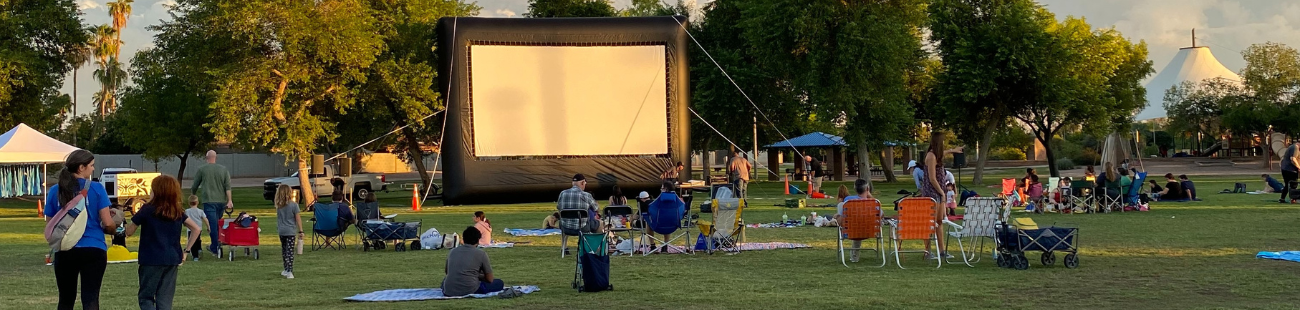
665	218
1081	196
917	220
982	216
326	229
1107	201
572	223
727	229
591	270
618	219
1008	188
862	220
1036	196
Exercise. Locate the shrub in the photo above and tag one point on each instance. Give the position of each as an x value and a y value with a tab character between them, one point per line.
1007	154
1065	164
1088	157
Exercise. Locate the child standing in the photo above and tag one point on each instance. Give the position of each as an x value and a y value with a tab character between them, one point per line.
196	214
287	222
951	199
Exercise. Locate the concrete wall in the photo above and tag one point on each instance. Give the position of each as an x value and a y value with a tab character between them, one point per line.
249	165
240	165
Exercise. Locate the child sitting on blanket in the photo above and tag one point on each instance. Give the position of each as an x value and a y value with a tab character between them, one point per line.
484	227
468	269
552	221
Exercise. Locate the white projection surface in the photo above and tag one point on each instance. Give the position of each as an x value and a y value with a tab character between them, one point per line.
568	100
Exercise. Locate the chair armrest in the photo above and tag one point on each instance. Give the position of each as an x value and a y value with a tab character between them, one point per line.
951	224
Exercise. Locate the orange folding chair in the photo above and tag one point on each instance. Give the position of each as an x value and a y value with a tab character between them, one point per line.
917	220
861	220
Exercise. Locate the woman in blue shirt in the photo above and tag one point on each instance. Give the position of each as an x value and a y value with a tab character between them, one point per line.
88	258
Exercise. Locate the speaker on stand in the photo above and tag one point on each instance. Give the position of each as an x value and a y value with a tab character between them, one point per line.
958	161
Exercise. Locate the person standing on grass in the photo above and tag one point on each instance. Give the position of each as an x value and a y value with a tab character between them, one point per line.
815	167
89	257
201	218
287	221
932	187
161	253
1290	169
740	174
212	185
468	269
673	173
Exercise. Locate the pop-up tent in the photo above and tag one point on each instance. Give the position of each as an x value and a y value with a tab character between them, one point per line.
22	151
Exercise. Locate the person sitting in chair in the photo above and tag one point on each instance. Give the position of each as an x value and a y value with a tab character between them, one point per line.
345	212
576	198
864	192
468	269
667	192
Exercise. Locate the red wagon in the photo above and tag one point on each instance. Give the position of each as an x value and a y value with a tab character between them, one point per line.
233	237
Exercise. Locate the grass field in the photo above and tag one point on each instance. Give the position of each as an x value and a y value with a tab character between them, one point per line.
1177	256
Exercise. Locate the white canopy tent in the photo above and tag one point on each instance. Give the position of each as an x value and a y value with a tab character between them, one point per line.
1192	64
23	145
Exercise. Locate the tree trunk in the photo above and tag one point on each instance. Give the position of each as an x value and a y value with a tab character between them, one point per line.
982	158
707	157
864	156
304	188
185	157
1051	156
887	162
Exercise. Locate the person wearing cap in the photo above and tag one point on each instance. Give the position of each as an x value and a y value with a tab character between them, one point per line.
917	174
576	198
817	173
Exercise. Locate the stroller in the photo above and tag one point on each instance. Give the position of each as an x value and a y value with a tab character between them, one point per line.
591	270
1013	242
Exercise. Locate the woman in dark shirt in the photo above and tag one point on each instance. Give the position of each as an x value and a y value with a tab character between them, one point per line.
1173	190
160	251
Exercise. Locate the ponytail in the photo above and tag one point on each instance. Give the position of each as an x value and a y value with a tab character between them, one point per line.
68	185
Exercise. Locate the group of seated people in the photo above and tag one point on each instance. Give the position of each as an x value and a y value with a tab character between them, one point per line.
1115	182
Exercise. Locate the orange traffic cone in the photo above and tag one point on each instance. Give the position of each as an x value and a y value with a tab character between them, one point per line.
415	198
787	184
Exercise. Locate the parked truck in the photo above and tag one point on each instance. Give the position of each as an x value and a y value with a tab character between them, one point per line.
359	185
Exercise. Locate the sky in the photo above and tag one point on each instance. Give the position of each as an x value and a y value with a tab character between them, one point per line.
1226	26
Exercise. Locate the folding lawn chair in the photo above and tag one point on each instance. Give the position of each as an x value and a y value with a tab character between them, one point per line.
665	218
591	270
863	220
1108	201
727	229
1054	196
1036	196
1008	188
917	220
573	222
327	229
982	216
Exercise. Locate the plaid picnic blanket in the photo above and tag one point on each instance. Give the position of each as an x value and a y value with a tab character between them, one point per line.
414	294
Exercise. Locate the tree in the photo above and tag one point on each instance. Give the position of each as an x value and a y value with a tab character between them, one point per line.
1200	107
1088	79
105	45
644	8
846	61
989	50
37	43
399	87
570	8
278	68
1272	72
113	75
165	94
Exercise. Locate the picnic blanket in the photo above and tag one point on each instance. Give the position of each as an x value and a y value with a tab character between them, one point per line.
532	232
415	294
497	245
1284	255
756	246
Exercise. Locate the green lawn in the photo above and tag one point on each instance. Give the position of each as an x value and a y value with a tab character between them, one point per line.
1178	256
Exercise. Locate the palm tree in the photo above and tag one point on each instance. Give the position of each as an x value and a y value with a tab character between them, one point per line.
79	56
106	45
111	77
121	11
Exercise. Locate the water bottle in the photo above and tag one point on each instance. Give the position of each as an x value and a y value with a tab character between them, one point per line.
785	218
803	220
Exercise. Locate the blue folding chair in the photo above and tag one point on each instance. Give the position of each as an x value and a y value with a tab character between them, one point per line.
1135	190
665	218
325	228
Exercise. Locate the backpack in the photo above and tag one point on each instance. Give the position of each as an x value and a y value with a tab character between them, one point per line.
66	228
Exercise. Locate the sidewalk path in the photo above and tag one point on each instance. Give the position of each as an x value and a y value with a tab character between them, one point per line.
257	182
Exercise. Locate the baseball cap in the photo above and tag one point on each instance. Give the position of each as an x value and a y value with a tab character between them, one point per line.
643	195
911	164
579	177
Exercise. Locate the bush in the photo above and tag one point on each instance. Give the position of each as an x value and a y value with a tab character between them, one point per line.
1088	157
1065	164
1007	154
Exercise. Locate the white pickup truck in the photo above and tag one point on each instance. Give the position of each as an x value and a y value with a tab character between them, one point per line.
359	185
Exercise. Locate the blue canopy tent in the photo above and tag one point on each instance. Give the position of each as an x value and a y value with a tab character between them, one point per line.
816	140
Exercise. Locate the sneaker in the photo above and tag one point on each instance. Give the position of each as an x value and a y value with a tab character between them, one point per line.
510	292
288	275
1282	201
284	273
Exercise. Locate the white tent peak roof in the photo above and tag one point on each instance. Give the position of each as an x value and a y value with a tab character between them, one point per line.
23	144
1194	63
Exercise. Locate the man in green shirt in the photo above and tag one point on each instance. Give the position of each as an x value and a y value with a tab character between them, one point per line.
212	185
